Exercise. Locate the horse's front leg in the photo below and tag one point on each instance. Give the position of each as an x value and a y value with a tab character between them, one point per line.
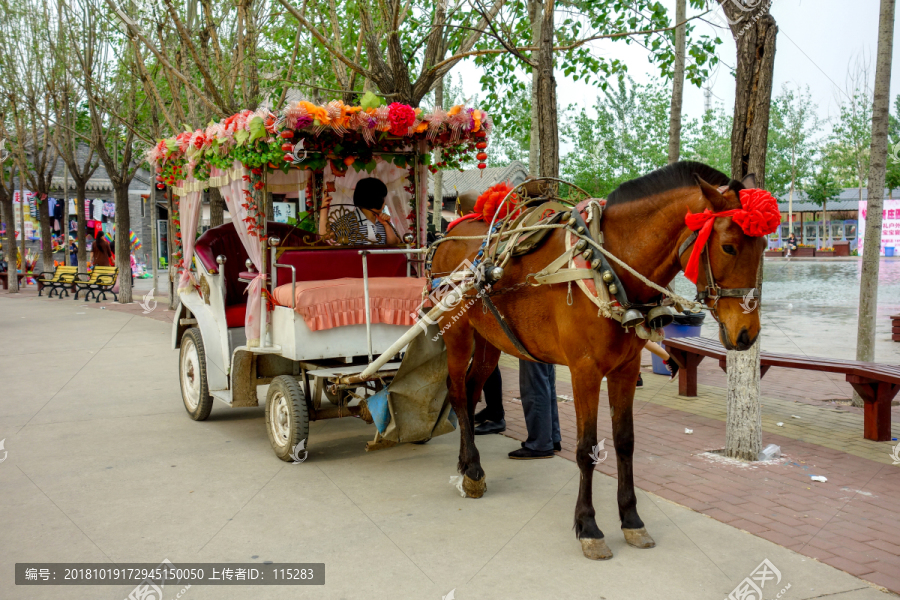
459	339
622	383
586	387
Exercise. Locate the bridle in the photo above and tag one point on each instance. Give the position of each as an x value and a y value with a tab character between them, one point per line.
712	291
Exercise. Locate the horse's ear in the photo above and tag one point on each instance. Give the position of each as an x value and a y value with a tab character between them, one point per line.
749	181
711	193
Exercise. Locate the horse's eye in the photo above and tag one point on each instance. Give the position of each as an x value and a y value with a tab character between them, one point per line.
729	250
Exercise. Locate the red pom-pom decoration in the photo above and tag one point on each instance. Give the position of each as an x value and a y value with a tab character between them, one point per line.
487	203
401	117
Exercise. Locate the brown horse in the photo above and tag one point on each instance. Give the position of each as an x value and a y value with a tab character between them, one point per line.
644	225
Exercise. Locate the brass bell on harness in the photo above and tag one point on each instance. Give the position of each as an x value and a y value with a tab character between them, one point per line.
660	316
608	276
571	222
596	264
588	254
632	317
613	289
580	246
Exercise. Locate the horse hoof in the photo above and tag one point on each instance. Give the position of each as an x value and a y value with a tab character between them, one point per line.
473	488
639	538
596	549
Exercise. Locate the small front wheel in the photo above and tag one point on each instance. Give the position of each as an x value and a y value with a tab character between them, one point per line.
192	373
287	419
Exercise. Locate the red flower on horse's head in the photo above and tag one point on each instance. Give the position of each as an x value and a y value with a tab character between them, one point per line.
758	216
759	213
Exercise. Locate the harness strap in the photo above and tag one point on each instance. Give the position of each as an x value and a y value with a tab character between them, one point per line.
564	275
501	320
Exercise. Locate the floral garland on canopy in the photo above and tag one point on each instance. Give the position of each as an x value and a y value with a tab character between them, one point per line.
307	136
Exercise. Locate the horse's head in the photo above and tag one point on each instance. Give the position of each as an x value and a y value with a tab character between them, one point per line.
732	229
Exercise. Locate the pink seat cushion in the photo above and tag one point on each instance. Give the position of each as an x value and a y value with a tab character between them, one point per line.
337	302
234	315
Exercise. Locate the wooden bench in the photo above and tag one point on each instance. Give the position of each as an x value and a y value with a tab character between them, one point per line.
876	384
97	283
4	278
59	280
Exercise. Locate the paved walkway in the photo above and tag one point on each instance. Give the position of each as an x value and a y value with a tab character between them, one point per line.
852	521
104	466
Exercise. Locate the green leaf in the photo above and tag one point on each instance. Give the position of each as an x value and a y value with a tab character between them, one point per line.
240	136
369	166
370	100
257	128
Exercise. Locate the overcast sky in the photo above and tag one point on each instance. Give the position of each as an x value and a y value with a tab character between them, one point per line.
817	41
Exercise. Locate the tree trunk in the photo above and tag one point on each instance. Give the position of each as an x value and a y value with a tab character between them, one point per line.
677	83
9	243
123	243
81	225
46	236
825	221
534	143
216	207
548	120
438	192
868	288
753	95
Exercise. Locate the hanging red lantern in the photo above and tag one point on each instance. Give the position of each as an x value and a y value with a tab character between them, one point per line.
288	158
480	134
287	147
159	177
482	166
481	145
287	134
482	156
160	186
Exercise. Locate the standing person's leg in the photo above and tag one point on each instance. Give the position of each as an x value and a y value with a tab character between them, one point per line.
491	418
537	389
554	411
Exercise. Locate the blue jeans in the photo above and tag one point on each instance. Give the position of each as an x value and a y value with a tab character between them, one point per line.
537	387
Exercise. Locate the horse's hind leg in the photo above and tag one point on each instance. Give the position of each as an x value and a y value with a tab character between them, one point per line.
586	386
460	381
621	402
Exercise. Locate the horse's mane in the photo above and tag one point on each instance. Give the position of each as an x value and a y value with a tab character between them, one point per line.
670	177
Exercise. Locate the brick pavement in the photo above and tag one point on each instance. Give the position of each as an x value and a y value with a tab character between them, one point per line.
851	522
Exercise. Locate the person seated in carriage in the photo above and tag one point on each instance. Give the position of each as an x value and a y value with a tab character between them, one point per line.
367	223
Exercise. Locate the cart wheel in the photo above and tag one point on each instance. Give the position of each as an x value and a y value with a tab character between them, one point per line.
192	370
287	417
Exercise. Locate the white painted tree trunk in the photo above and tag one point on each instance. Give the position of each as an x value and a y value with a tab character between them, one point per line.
743	427
755	34
868	287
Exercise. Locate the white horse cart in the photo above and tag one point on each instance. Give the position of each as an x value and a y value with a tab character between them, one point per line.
328	302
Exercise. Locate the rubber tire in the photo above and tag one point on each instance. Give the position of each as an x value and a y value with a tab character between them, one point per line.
297	418
192	338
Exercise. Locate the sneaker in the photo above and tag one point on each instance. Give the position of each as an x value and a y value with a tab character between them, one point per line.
640	382
526	454
489	427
